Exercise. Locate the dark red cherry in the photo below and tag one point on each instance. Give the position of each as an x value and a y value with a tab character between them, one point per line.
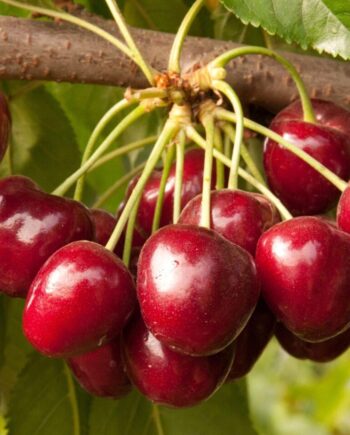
5	125
343	211
196	289
80	299
167	377
192	182
298	185
15	182
101	371
323	351
304	266
238	216
326	112
252	341
33	225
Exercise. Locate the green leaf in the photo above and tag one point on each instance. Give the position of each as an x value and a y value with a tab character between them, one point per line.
321	24
44	146
226	413
43	401
17	12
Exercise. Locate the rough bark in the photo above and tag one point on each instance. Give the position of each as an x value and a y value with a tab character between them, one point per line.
36	50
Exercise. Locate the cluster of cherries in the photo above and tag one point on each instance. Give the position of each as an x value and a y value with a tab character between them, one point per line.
197	306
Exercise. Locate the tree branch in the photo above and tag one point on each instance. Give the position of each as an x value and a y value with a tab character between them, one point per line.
37	50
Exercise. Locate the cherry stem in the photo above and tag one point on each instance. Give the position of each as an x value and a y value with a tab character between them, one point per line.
72	396
179	170
123	125
227	146
175	53
209	126
169	131
220	169
129	234
107	117
237	106
165	174
123	150
197	138
230	131
340	184
117	185
119	19
78	22
222	60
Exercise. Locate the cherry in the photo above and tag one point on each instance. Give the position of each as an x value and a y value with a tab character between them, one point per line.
304	266
196	289
327	113
33	225
240	217
343	211
101	371
192	183
5	125
323	351
80	299
252	341
167	377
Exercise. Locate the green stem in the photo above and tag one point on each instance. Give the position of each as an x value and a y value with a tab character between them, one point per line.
236	153
180	158
175	54
123	125
227	146
77	21
168	132
197	138
230	131
73	400
222	60
107	117
117	185
165	174
208	123
129	234
157	420
119	19
126	149
220	170
340	184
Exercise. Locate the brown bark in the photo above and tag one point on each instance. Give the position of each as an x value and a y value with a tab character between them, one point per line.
36	50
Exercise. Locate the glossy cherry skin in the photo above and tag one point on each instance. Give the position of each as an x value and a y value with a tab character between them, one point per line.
101	371
321	352
343	211
236	215
80	299
252	341
5	125
167	377
326	112
304	266
15	182
33	225
196	289
192	182
297	184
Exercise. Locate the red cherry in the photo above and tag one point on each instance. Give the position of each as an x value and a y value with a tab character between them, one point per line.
196	289
170	378
298	185
15	182
80	299
252	341
33	225
343	211
323	351
304	266
327	113
5	125
240	217
101	371
192	183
